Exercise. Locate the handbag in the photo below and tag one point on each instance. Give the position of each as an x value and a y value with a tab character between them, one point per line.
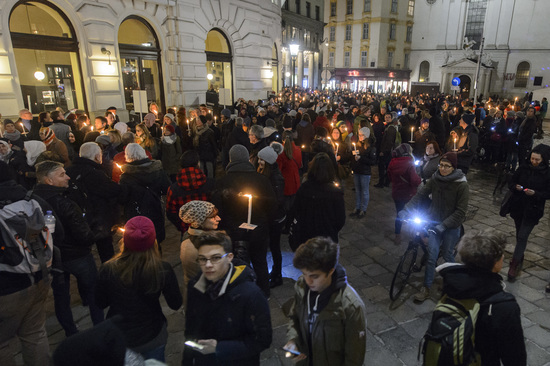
506	204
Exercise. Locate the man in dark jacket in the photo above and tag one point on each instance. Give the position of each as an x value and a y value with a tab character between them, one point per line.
22	295
498	331
237	136
75	249
101	196
242	179
527	129
387	145
226	312
467	145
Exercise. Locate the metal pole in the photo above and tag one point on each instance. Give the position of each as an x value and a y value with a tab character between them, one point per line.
293	82
478	68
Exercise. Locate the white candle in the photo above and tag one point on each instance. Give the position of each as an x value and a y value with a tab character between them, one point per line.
412	133
354	147
23	127
248	221
454	148
187	124
336	148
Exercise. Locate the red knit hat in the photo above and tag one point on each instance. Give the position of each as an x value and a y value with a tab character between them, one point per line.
451	158
139	234
170	128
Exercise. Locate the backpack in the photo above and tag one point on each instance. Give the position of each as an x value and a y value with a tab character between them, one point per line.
450	338
26	243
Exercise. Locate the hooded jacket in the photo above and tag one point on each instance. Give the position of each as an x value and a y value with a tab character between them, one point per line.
191	185
450	196
403	178
338	335
530	208
237	316
499	334
78	235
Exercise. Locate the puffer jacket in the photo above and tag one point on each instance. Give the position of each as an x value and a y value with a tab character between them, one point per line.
191	185
450	196
146	182
531	208
403	178
338	336
78	235
499	333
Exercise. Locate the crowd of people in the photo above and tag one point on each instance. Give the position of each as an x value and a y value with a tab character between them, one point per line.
232	181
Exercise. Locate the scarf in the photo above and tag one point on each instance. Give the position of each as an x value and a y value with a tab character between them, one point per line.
169	140
198	133
12	136
49	135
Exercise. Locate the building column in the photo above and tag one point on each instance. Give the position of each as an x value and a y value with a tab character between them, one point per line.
316	75
300	67
444	82
310	72
486	81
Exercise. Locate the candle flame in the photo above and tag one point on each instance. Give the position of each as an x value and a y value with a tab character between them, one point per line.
92	128
122	229
303	146
247	195
118	166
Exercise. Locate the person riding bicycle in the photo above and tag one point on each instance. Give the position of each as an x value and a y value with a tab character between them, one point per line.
449	193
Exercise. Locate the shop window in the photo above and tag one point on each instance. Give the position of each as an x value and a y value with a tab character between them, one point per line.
46	56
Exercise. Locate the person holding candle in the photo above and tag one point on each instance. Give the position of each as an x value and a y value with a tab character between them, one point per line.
364	158
468	143
343	152
16	138
242	179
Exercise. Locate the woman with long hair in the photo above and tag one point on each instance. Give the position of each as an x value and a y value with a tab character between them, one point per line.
146	140
130	284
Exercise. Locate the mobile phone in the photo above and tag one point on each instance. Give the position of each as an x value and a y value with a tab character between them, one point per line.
291	351
194	345
525	189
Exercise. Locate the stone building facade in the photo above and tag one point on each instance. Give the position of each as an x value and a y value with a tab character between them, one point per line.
92	54
447	38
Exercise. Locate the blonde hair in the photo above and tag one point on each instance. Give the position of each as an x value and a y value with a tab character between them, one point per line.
148	140
142	271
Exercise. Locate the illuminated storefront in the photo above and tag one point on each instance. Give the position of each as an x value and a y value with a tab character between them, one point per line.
376	80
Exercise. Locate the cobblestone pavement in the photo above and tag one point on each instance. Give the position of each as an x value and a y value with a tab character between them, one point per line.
370	256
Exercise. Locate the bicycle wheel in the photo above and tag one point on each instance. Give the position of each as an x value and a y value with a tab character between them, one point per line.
402	272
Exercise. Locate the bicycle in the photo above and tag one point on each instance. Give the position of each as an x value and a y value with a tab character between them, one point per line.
408	263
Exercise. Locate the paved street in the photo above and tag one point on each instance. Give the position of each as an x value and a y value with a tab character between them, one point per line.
370	257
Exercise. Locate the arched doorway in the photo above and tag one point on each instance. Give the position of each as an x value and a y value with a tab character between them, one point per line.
140	61
45	49
465	85
219	68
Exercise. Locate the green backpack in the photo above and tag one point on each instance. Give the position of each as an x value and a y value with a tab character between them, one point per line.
450	338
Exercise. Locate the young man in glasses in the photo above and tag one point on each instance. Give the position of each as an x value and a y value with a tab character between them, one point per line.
227	315
449	194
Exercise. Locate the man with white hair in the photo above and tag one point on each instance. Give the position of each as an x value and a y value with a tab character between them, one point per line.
96	195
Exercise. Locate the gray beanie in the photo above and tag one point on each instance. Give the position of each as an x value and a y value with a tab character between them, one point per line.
226	112
103	140
277	146
171	116
365	131
268	155
238	153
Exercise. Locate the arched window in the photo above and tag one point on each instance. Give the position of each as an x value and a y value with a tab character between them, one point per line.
46	56
219	70
424	72
139	61
522	74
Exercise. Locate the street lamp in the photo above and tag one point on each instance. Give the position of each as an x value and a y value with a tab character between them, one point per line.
294	49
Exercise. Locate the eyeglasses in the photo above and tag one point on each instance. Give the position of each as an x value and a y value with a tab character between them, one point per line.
445	166
213	260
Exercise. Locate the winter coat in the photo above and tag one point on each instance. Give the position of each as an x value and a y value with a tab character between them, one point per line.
367	158
338	336
450	196
242	178
57	146
467	152
208	148
403	178
236	136
17	161
290	169
10	282
103	195
499	333
254	150
191	185
319	210
170	156
322	122
527	128
388	140
78	236
238	318
530	208
120	159
278	183
146	183
429	165
137	314
320	146
306	133
421	139
61	131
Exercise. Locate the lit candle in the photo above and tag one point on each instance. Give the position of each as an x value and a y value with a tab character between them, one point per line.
187	124
92	128
412	133
332	124
454	148
336	148
303	146
118	166
23	127
248	221
513	108
354	147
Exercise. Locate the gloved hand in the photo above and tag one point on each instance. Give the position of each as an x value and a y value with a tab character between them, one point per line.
437	229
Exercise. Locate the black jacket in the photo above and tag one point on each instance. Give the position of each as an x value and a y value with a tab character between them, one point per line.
241	178
78	235
531	208
499	334
11	192
319	210
239	320
146	182
102	195
367	158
